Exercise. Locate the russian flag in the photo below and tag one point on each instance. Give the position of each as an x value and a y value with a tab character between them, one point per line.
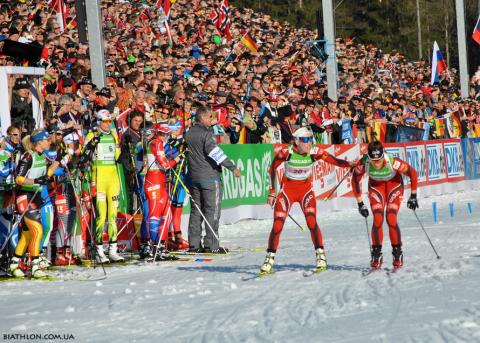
438	64
476	32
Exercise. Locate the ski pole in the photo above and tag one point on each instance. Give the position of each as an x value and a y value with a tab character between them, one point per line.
196	206
299	226
338	185
128	221
368	234
90	229
165	224
179	171
289	216
426	234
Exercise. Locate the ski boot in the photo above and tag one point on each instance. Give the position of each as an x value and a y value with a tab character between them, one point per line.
161	254
100	255
170	244
44	262
377	258
321	260
14	267
267	266
37	269
72	259
397	256
60	258
219	250
113	254
195	250
145	251
181	243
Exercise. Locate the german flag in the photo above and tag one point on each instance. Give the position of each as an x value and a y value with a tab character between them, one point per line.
440	128
72	24
380	130
249	42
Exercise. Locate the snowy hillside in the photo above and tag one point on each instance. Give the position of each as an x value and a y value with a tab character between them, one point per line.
429	300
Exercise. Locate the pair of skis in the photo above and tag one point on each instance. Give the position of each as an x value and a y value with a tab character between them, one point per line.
306	273
388	271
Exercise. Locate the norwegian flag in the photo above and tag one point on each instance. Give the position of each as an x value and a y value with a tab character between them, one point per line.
166	5
220	17
215	17
61	12
224	26
121	122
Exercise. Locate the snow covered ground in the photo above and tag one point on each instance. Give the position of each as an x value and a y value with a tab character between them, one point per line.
429	300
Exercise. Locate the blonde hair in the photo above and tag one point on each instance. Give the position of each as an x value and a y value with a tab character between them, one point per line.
27	141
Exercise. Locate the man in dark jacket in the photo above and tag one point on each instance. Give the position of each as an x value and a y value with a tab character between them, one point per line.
21	111
205	161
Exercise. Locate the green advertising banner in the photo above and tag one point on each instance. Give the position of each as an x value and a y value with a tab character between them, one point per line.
251	188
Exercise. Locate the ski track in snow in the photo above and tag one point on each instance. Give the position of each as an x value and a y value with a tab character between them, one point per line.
428	300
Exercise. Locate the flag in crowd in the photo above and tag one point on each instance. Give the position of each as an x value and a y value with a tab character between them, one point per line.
166	5
476	31
60	12
72	24
249	42
121	122
220	17
454	125
440	127
438	64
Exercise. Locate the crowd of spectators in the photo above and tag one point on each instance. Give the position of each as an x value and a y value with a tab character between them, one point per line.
259	97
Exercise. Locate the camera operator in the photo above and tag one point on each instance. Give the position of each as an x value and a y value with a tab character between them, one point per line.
63	111
21	110
253	131
235	124
273	133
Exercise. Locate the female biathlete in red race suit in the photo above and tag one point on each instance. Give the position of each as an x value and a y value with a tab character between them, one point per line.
385	191
297	186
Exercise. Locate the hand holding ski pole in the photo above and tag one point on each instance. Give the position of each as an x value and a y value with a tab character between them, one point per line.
272	197
362	208
412	202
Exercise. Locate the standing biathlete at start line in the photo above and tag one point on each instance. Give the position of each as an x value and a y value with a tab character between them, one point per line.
297	186
385	192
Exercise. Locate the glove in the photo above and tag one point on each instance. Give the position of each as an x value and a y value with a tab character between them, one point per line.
42	180
362	208
95	140
412	202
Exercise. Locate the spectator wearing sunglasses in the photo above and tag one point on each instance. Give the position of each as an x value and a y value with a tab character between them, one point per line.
14	137
297	186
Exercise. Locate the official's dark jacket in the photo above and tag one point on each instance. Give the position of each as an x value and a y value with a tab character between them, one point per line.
202	167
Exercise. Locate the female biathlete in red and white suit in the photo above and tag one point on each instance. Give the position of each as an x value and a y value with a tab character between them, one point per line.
159	214
297	186
385	191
